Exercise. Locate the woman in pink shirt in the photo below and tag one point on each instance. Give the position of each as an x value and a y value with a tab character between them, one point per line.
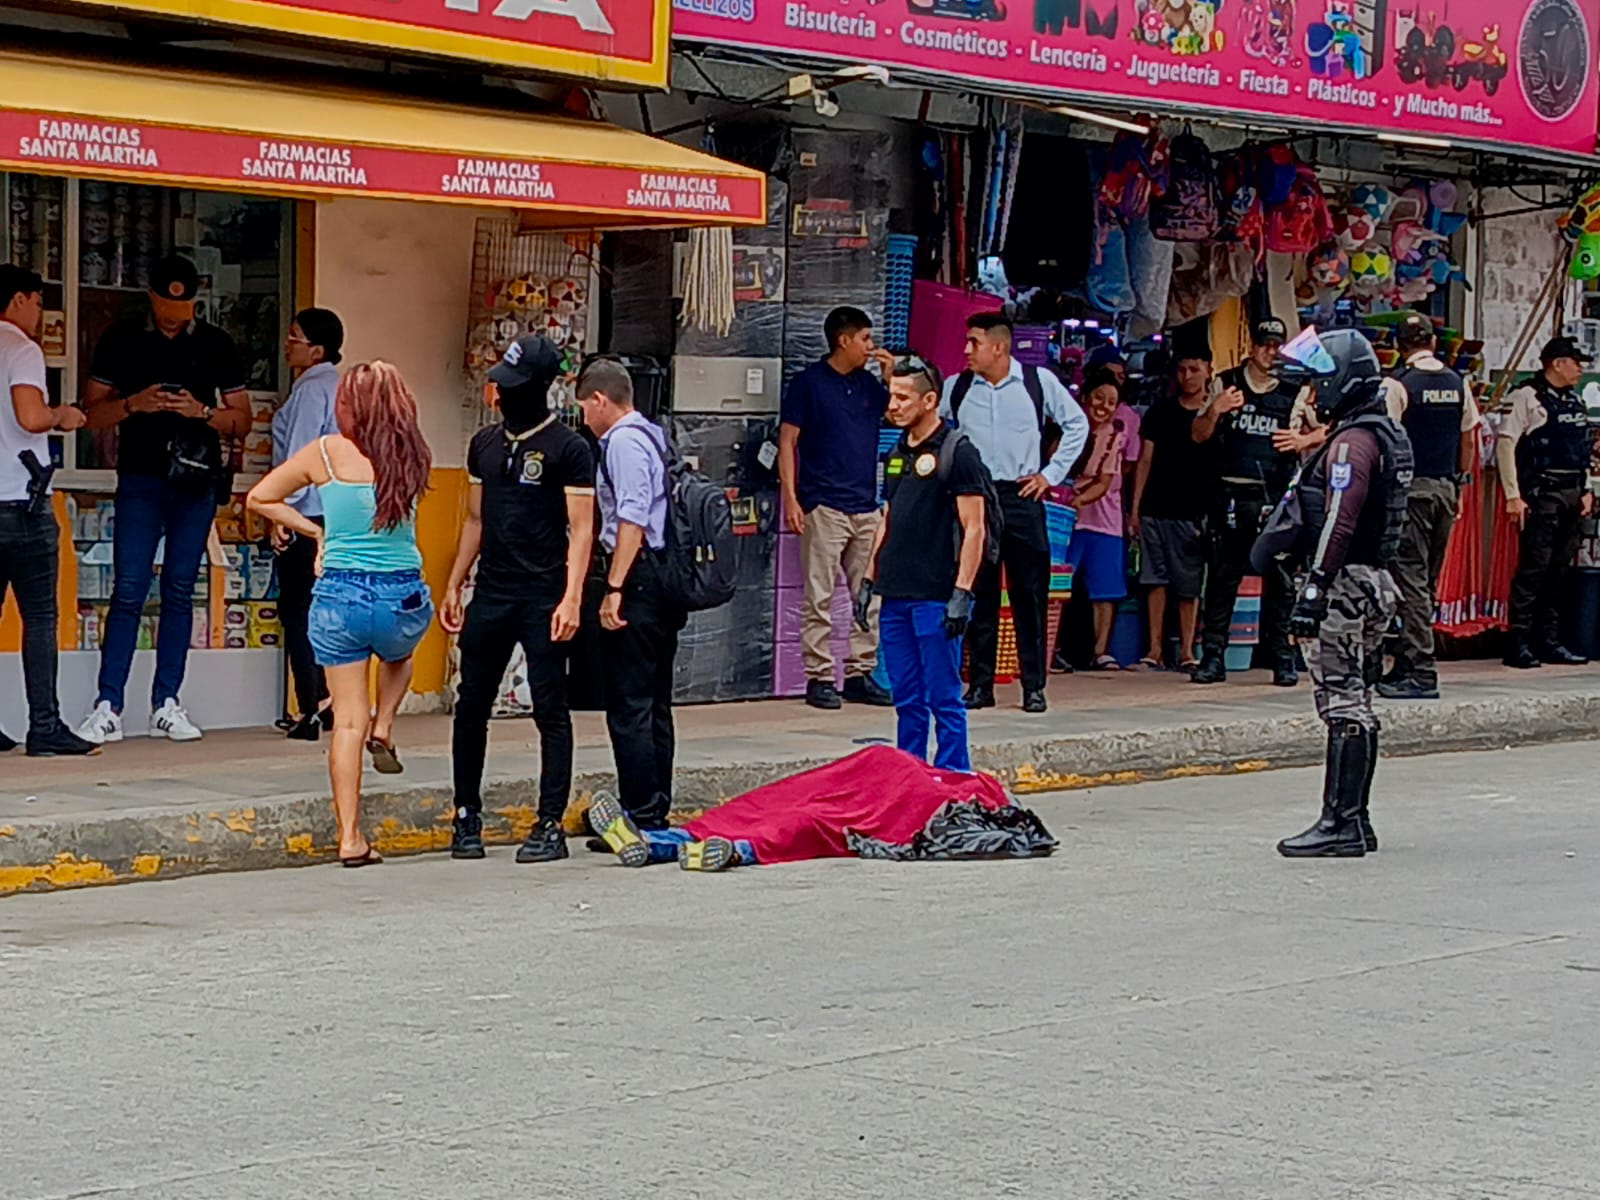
1099	569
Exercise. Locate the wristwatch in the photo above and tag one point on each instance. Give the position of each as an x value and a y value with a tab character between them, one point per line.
614	587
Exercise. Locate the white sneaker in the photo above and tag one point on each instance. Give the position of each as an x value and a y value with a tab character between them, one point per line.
101	726
170	721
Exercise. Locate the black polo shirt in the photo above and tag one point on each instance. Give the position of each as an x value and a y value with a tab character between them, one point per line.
132	355
526	480
918	558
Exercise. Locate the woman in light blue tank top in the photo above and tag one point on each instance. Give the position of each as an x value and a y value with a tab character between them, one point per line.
370	600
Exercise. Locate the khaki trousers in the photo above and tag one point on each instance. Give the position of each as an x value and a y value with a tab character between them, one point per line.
832	540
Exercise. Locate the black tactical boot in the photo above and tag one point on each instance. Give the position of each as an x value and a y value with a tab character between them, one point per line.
1211	669
1284	672
1520	656
1368	835
1557	655
1337	833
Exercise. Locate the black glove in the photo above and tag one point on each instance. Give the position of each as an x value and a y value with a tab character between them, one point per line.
958	613
1310	609
860	605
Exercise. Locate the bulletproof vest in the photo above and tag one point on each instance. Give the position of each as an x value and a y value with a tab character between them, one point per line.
1247	451
1562	442
1377	532
1435	403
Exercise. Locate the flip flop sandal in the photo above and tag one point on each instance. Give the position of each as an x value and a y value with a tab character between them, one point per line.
1106	663
616	828
713	854
384	761
369	859
1149	664
1190	665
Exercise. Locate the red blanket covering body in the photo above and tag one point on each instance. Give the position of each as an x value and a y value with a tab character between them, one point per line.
880	792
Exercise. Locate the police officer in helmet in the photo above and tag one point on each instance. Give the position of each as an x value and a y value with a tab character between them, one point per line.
1352	504
1543	456
1441	418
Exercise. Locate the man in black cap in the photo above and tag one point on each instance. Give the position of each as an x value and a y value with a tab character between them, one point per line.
1256	422
529	529
1441	418
174	386
1543	455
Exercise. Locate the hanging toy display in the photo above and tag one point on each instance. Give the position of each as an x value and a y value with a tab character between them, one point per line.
1329	267
1580	225
1371	271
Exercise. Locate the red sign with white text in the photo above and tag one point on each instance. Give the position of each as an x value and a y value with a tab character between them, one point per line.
623	41
1498	72
45	141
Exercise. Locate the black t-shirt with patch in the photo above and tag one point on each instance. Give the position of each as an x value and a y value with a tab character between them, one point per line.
526	480
202	359
918	558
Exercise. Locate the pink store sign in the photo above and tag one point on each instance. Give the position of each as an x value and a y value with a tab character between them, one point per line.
1504	72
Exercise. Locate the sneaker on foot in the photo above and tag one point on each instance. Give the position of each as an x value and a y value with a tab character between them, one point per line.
822	694
466	835
102	725
545	843
713	854
863	689
171	721
1408	687
608	818
61	742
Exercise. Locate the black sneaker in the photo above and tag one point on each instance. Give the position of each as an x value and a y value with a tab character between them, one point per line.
863	689
1212	669
1520	657
466	835
1034	702
977	698
821	694
62	743
1408	687
1284	673
1059	665
1558	655
545	843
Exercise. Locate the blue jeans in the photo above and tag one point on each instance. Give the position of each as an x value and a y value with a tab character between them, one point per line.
148	507
925	676
358	614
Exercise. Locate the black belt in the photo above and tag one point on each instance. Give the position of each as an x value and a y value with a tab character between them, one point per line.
16	503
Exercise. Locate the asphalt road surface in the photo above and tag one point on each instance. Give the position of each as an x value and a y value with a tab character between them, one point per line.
1165	1009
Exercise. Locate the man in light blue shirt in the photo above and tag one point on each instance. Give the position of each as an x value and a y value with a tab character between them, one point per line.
639	624
312	348
1003	407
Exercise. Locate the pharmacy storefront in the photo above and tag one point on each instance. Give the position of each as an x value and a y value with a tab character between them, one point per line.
382	207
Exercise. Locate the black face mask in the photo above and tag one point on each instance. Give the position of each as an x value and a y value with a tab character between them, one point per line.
524	407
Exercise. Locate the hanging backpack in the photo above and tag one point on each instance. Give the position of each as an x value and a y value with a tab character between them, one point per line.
700	560
1301	223
1187	210
1240	217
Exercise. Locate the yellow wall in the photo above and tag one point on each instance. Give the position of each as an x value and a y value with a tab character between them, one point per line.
400	275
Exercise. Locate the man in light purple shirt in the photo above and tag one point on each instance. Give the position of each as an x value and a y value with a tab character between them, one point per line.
640	626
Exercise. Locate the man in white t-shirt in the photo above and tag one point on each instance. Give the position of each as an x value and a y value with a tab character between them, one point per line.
29	536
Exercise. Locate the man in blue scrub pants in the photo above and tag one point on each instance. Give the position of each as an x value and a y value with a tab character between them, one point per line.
925	561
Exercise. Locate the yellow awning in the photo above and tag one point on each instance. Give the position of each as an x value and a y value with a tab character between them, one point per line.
104	120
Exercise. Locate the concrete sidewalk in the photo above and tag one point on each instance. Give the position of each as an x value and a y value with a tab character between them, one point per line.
246	800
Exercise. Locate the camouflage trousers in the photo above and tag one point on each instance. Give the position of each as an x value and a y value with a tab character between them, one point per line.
1347	657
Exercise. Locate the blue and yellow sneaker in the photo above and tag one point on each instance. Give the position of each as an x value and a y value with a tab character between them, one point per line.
713	854
616	828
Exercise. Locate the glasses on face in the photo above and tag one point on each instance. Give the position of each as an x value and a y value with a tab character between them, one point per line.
295	340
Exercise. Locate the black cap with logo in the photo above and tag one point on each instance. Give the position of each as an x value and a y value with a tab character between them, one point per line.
1564	347
175	278
1270	332
1413	331
529	359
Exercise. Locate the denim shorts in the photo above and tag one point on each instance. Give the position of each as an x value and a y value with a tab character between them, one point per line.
358	614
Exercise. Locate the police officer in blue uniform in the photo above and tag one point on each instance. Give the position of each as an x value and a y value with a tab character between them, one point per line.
1251	421
1352	505
1543	454
933	538
1436	408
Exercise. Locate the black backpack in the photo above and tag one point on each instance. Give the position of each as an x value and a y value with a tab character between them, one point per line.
1048	429
701	558
992	516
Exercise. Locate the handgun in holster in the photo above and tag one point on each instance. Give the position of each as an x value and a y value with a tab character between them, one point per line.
38	482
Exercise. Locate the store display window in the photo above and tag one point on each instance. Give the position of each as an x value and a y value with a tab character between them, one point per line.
94	243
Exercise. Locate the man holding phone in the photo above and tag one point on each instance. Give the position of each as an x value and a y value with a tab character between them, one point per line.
174	386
